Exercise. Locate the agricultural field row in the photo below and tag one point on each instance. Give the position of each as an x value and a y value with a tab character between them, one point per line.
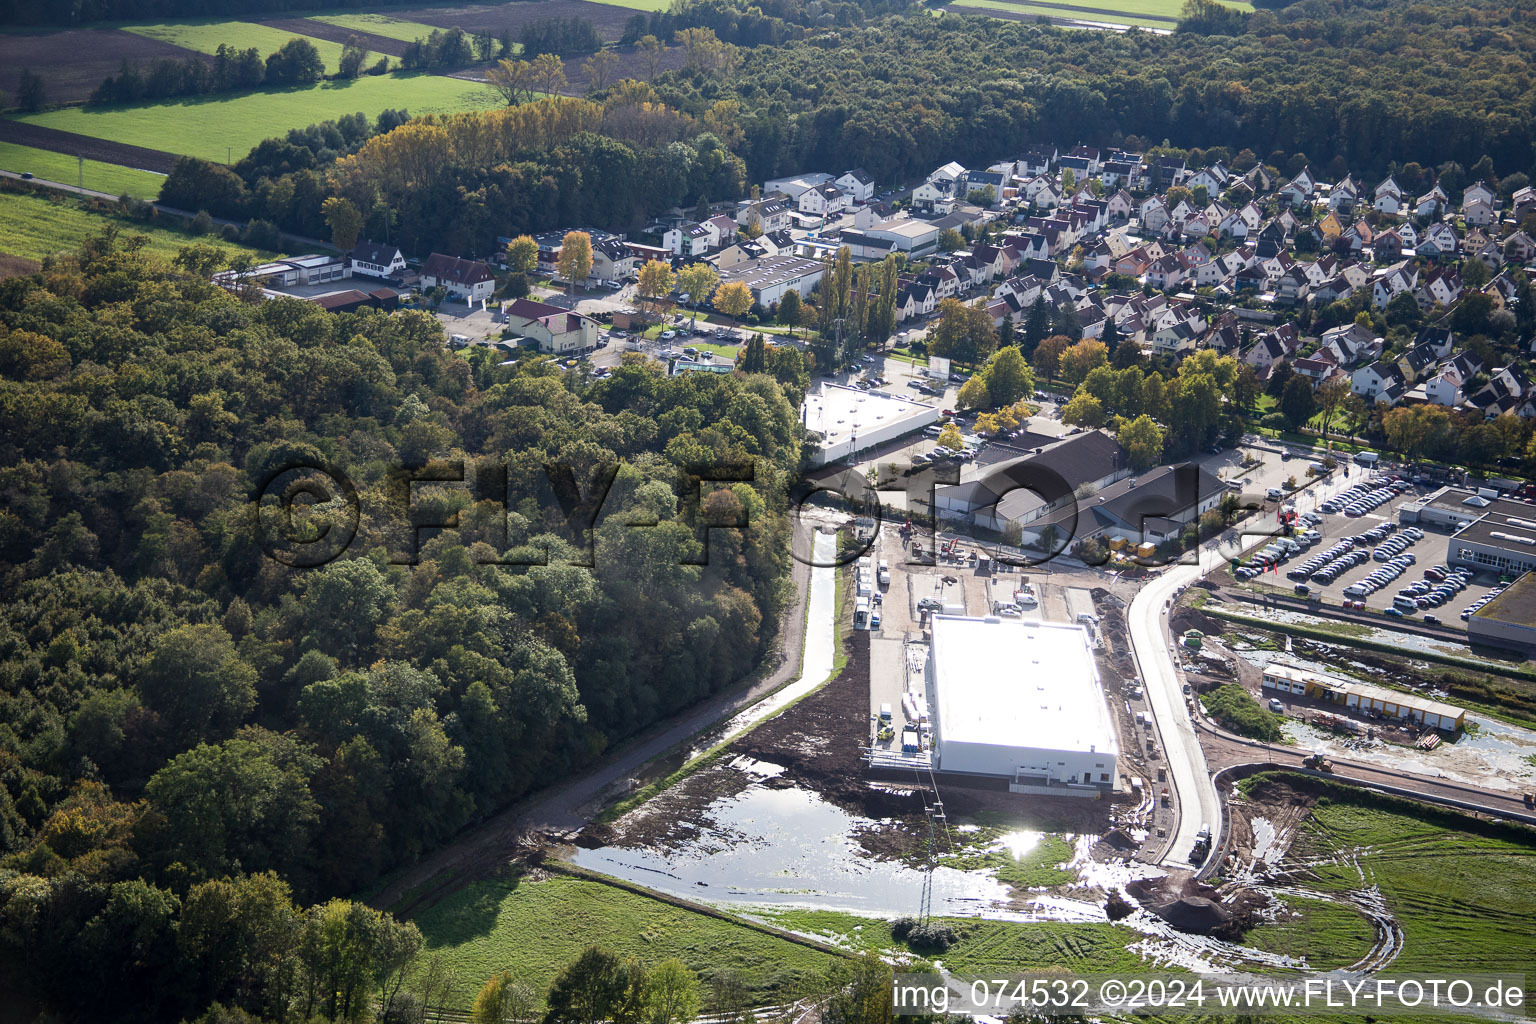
206	36
225	128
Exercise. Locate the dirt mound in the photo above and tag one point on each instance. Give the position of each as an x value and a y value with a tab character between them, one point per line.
1119	840
1197	915
1192	618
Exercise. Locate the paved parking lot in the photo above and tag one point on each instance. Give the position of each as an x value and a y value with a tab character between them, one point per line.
1430	550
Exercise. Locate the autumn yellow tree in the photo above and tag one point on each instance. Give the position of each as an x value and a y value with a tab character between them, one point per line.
734	299
344	220
575	261
697	280
523	254
654	280
513	79
549	73
599	68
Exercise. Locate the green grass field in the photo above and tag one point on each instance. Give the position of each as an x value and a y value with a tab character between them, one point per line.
984	947
99	176
228	127
204	36
1463	897
379	25
35	227
1146	13
535	928
987	6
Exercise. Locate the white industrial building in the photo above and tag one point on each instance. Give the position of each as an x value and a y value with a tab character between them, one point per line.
849	420
1020	700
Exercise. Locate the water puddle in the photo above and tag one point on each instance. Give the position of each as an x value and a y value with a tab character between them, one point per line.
788	847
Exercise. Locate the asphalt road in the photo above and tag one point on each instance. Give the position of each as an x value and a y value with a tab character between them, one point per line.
1195	793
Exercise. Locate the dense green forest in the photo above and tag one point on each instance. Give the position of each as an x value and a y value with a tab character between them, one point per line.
180	711
1360	87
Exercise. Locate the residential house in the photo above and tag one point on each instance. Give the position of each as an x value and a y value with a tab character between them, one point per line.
689	240
767	214
1036	160
1120	205
1389	245
1478	211
1446	386
1519	247
1214	178
1523	202
1432	204
1507	391
937	195
857	184
1351	345
824	201
1154	215
469	280
1440	340
1388	197
1298	191
1293	285
1378	382
1317	368
376	259
1440	285
613	260
1343	197
1438	241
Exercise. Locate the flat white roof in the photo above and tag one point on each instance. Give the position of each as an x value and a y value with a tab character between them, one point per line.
836	411
1019	683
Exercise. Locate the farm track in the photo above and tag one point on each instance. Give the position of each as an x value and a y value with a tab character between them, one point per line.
337	34
25	134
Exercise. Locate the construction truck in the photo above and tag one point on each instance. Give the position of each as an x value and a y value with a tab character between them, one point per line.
1318	763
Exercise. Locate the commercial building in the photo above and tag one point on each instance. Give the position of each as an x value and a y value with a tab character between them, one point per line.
558	331
1509	620
848	420
1352	693
1489	532
1033	486
771	277
1021	701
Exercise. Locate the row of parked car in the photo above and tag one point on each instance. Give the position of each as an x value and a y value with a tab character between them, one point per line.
1472	608
1439	585
1359	499
1379	578
1275	553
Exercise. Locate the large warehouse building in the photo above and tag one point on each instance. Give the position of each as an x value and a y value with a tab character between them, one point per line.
849	420
1509	620
1490	532
1020	701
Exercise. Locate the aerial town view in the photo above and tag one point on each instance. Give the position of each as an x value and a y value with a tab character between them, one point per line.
767	511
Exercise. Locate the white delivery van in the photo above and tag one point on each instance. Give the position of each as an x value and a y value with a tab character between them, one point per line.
885	712
861	614
885	573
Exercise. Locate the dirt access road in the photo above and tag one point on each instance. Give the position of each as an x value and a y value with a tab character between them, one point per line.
485	847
